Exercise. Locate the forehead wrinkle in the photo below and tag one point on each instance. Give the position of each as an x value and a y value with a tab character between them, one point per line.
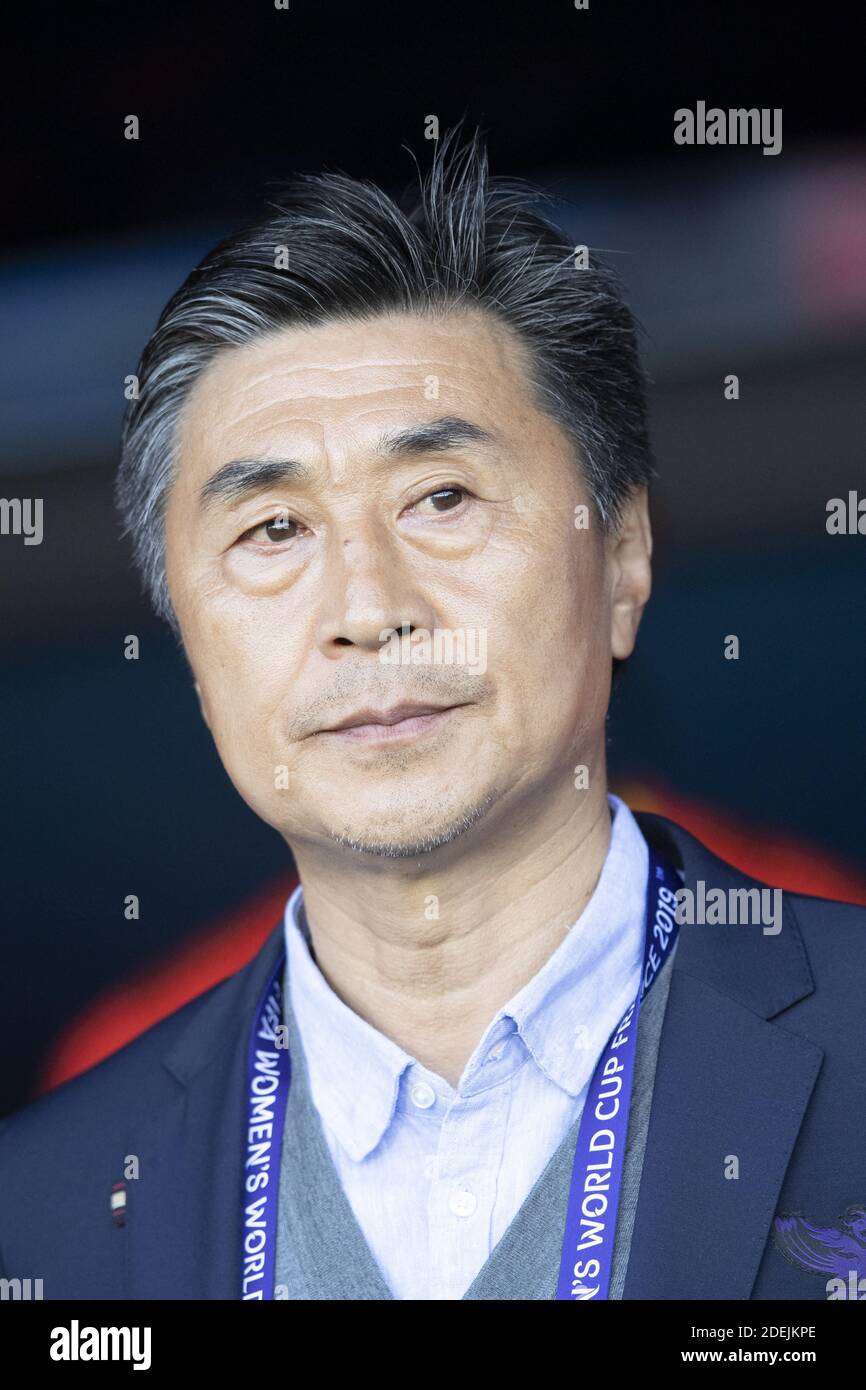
496	335
268	376
357	365
309	399
283	368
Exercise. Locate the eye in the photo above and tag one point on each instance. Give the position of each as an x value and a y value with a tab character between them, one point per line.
281	527
449	497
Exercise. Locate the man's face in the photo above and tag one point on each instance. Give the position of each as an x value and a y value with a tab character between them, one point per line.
287	581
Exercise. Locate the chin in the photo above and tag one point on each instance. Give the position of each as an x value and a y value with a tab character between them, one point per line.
388	837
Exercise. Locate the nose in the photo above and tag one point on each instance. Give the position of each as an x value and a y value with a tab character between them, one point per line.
370	591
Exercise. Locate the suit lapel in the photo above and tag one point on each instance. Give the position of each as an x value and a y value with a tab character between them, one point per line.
184	1211
731	1089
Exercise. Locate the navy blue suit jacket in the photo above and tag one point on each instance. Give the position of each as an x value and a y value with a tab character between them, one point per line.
761	1058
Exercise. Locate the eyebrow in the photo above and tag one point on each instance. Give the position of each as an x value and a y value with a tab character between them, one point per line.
437	436
242	477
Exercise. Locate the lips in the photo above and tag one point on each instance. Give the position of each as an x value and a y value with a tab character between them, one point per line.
394	715
394	724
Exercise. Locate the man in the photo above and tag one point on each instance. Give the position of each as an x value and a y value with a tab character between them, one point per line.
387	479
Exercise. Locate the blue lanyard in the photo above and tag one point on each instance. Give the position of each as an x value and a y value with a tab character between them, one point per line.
590	1226
268	1075
596	1175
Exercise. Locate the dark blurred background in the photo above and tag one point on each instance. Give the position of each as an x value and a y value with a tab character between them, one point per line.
735	262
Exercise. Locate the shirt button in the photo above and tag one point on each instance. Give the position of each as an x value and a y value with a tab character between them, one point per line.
423	1095
496	1051
462	1202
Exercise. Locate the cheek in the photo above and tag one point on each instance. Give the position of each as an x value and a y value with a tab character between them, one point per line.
553	632
557	597
242	689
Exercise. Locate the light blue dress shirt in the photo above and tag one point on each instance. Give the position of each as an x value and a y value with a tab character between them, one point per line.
435	1175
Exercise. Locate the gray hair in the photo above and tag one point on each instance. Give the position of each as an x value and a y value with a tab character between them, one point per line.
469	239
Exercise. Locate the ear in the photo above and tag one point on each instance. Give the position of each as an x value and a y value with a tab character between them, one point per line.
201	703
631	574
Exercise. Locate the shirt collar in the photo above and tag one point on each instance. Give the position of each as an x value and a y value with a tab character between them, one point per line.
563	1015
568	1010
354	1070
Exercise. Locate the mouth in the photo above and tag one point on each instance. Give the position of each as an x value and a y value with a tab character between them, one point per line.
389	726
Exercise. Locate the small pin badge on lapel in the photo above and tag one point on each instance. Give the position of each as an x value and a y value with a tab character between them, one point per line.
118	1203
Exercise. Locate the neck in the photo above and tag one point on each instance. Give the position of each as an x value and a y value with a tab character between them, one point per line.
427	950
